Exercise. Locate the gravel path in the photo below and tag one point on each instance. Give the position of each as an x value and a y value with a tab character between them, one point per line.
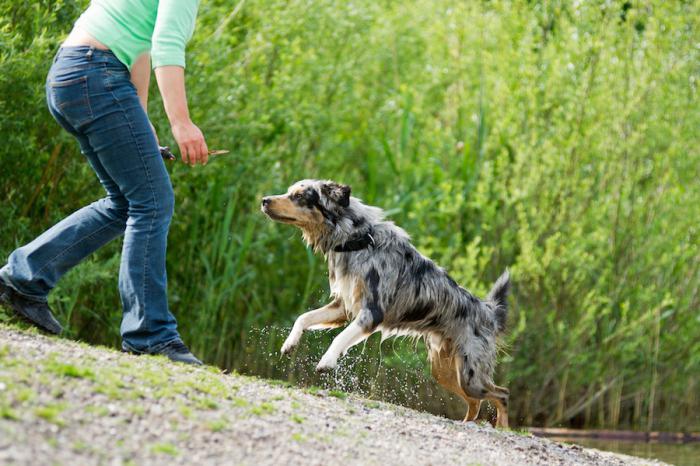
63	402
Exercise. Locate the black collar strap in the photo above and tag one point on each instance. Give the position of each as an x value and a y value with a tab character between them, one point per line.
356	244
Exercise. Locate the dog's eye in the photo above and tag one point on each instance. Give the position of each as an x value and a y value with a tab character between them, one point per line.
295	196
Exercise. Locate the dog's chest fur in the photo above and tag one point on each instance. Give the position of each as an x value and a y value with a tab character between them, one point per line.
345	286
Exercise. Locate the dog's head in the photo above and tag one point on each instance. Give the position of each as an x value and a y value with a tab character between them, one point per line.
309	204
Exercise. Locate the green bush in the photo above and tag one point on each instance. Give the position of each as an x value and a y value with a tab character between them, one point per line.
559	139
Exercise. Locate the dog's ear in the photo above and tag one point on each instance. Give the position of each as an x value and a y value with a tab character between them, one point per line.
338	193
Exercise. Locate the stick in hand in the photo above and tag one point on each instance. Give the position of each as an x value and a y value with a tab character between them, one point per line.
168	155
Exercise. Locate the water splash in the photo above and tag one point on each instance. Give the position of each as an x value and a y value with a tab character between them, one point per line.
395	370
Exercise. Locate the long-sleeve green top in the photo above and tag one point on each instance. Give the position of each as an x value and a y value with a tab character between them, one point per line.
132	27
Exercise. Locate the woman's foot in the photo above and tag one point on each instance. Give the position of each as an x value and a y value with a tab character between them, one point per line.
175	351
36	313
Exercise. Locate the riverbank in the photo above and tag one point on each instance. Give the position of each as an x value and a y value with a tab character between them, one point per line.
63	402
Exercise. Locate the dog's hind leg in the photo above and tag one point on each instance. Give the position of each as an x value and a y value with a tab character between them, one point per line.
477	384
473	407
353	334
444	371
329	316
499	397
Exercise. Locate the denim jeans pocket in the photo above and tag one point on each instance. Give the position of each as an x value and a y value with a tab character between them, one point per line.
71	98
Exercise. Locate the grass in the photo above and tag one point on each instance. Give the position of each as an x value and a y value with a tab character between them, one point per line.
80	446
51	413
313	390
165	448
217	425
8	413
136	410
184	410
69	370
97	410
240	402
206	403
372	404
262	409
338	394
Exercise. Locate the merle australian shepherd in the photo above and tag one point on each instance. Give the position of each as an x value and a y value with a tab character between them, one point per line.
380	282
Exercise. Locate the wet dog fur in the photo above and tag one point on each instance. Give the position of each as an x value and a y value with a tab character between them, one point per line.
380	282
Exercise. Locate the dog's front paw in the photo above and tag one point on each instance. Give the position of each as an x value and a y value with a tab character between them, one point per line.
287	348
289	344
326	365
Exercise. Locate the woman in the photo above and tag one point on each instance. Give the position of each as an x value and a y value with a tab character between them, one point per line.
97	89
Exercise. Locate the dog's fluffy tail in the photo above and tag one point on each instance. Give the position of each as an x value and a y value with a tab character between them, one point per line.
498	296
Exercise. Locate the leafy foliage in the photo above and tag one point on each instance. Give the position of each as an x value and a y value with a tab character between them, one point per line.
556	138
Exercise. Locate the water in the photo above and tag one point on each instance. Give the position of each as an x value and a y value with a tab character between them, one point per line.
395	370
680	454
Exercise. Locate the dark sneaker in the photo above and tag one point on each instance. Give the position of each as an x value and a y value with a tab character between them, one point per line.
35	312
175	351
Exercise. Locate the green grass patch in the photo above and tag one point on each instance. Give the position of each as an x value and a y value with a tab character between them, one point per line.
313	390
185	410
262	409
165	448
69	370
206	403
297	418
112	392
137	410
240	402
6	412
79	446
51	413
338	394
217	425
97	410
372	404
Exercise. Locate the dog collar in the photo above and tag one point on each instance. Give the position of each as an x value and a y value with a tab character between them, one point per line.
356	244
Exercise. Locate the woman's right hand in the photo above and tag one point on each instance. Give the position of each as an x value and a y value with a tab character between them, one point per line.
190	140
193	147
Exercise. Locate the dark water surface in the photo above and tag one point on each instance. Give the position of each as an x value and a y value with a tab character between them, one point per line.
680	454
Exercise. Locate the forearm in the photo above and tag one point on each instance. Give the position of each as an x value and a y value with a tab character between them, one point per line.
171	82
141	78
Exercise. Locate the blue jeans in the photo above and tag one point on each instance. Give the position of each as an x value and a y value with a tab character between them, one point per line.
90	94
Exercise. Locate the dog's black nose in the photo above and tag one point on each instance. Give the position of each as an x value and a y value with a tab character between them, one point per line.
265	201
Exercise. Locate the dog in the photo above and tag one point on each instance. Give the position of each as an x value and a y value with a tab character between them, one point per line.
380	282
